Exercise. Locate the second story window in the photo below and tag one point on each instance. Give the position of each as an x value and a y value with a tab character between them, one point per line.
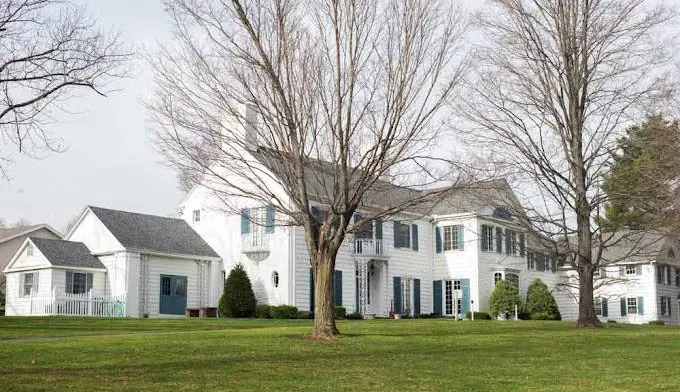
402	235
197	216
454	237
487	238
630	270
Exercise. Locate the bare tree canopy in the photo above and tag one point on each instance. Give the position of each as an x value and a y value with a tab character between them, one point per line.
346	100
558	85
49	49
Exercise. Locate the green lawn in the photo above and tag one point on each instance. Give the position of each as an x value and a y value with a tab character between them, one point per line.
385	355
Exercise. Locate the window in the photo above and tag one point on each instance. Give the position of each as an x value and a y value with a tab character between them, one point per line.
497	277
596	274
452	296
453	237
166	285
29	284
598	307
448	288
180	287
512	246
631	305
487	238
406	295
402	235
659	273
677	277
531	261
631	270
513	279
671	254
665	305
30	250
456	284
78	282
197	216
275	279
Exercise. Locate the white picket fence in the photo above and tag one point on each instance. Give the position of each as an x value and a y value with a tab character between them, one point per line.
85	304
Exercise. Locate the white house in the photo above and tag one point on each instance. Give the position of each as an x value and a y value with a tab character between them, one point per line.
115	263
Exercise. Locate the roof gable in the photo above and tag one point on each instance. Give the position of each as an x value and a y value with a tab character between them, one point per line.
62	253
7	234
153	233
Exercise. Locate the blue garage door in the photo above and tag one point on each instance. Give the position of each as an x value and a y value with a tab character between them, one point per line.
173	294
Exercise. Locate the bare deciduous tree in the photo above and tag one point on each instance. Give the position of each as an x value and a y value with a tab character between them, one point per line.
49	50
346	99
556	87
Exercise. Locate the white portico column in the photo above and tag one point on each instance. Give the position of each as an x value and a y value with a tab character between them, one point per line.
362	275
386	288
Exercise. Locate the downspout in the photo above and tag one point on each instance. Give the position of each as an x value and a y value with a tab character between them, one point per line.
291	266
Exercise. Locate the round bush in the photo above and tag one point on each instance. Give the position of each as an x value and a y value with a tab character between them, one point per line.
238	299
541	305
503	299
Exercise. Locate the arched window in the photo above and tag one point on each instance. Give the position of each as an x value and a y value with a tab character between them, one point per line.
513	279
497	277
275	279
671	254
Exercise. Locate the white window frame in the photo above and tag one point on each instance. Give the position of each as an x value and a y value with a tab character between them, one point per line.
450	238
196	216
30	250
452	297
73	286
631	267
598	306
497	277
513	282
663	306
32	288
631	303
406	305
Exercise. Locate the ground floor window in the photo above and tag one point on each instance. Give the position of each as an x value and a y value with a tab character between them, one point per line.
452	296
78	282
497	277
513	279
665	305
598	307
406	295
631	303
29	283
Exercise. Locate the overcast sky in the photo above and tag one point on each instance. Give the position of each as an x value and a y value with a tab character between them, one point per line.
110	161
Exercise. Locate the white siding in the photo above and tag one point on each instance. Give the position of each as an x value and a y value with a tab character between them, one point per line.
116	267
92	232
18	305
59	280
24	261
168	266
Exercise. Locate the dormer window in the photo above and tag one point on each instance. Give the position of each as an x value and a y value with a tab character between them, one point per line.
671	254
197	216
30	250
501	213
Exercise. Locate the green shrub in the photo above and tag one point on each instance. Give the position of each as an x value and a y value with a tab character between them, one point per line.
354	316
283	312
304	315
340	312
503	299
611	321
478	315
657	322
238	299
429	315
263	311
524	315
541	304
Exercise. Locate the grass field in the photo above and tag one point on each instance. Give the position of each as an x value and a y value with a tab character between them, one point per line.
55	354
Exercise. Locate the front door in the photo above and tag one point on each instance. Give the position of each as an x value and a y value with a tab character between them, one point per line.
173	297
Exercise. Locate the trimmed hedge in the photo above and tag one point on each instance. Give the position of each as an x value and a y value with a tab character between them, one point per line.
340	312
283	312
262	311
478	315
354	316
657	322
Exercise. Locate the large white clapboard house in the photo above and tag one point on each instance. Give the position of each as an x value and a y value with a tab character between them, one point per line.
446	260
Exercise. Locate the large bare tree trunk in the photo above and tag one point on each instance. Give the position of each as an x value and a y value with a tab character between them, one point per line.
324	300
586	307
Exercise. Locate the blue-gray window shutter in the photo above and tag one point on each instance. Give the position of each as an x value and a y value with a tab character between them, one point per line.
605	307
414	240
337	287
622	271
245	220
669	305
521	245
397	238
270	219
437	297
460	232
508	245
356	294
465	300
668	274
438	239
641	305
311	290
485	238
378	229
69	281
623	306
416	297
638	269
397	295
88	282
499	240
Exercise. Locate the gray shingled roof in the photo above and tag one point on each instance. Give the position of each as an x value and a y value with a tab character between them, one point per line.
153	233
67	253
478	197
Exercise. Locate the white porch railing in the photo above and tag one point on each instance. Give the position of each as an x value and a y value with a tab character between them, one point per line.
255	242
368	247
85	304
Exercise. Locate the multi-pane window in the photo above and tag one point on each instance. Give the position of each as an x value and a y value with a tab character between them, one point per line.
402	235
631	270
456	284
513	243
448	290
197	215
453	237
487	238
631	305
406	295
513	279
166	285
531	261
497	277
598	307
29	284
30	250
664	305
79	283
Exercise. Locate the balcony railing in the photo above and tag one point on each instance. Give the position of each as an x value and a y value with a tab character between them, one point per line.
254	242
368	247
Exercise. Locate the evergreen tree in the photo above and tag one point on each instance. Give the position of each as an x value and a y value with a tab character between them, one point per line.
541	304
238	299
641	184
503	299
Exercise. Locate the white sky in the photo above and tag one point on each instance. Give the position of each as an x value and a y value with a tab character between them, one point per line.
110	160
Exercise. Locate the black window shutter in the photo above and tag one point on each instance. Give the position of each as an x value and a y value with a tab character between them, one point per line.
414	241
397	238
499	240
69	281
521	244
88	283
508	242
311	290
438	239
485	238
337	287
